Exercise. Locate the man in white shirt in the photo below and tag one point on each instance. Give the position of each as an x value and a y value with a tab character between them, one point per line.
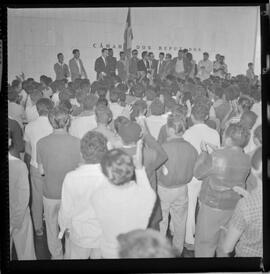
179	65
122	204
31	112
157	118
205	67
103	119
21	228
114	105
86	120
77	216
34	131
196	135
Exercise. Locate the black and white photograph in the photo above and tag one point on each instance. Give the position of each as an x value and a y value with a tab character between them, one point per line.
134	132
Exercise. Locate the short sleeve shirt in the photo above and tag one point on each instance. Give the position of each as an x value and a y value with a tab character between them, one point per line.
247	218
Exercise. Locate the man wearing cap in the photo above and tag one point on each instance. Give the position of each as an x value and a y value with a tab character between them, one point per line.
205	67
153	157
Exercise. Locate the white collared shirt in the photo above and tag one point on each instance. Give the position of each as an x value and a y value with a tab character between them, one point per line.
76	212
34	131
78	64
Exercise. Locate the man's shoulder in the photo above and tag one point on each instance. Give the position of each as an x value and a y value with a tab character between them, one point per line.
19	164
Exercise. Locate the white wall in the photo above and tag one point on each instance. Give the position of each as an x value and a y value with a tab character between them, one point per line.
35	36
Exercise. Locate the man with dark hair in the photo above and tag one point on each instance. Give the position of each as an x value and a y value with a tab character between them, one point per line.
16	137
15	110
76	214
205	67
123	203
21	228
101	64
57	154
220	171
144	244
111	63
103	118
179	65
31	112
60	68
153	157
143	65
86	120
122	68
198	133
76	67
133	65
34	131
160	66
168	66
173	178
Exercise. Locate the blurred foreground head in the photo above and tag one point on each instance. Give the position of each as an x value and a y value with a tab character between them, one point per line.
144	244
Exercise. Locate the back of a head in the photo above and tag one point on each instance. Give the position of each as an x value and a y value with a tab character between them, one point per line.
44	106
245	103
103	114
200	111
178	125
93	147
144	244
120	120
117	166
138	108
138	91
35	95
102	101
13	95
80	96
179	112
248	119
238	134
157	107
89	102
114	96
59	117
64	95
85	85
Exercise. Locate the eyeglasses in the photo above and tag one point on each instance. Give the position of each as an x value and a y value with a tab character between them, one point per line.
135	54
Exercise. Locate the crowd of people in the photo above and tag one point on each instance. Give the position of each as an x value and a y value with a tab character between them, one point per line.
152	158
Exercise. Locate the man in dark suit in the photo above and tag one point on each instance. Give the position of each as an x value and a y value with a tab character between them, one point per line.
60	68
111	61
76	67
152	63
143	65
168	66
160	66
133	65
101	64
121	67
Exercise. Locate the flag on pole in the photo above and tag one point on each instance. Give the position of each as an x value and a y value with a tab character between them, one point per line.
128	36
